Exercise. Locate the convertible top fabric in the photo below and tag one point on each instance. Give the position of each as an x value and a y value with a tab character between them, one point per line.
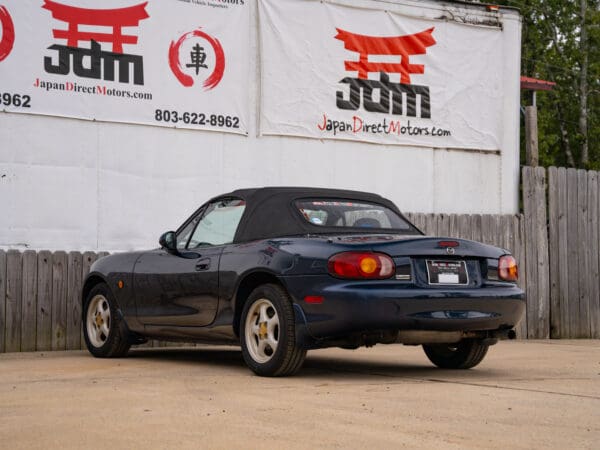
270	212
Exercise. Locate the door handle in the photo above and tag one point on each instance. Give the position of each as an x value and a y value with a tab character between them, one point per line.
202	265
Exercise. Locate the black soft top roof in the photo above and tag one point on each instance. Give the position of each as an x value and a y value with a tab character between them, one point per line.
270	211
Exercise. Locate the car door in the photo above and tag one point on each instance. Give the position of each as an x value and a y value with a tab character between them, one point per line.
181	288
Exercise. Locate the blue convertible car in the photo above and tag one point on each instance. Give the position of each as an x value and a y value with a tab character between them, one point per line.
285	270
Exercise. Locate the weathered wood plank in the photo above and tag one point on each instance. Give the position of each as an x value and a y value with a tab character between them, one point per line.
530	250
418	220
594	253
597	322
563	253
519	225
504	227
543	319
464	226
88	259
453	226
443	225
422	221
29	301
74	306
584	254
59	300
573	253
489	232
44	303
554	261
476	227
431	225
2	300
520	230
14	286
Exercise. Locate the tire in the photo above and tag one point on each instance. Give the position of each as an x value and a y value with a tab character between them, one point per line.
267	333
104	330
463	355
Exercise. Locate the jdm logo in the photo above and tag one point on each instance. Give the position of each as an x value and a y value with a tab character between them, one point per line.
7	33
394	46
202	52
100	26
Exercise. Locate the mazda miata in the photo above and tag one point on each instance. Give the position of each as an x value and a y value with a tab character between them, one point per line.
283	270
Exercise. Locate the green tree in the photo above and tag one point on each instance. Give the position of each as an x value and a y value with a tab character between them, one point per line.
561	43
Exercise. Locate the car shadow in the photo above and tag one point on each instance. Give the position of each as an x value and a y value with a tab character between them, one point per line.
231	357
320	366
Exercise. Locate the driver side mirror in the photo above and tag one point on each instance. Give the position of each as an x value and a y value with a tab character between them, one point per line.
168	241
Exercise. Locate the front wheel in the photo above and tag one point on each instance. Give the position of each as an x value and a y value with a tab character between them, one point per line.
462	355
104	332
267	332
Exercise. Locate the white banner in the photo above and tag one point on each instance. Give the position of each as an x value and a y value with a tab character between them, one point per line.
172	63
331	71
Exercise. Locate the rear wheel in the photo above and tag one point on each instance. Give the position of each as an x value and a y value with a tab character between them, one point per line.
104	332
267	332
462	355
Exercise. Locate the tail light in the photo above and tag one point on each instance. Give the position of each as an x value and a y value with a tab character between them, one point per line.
507	268
361	265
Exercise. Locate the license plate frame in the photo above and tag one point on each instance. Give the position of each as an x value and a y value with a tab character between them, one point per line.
446	272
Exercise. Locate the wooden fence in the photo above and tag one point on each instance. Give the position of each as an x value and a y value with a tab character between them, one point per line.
555	241
40	307
574	230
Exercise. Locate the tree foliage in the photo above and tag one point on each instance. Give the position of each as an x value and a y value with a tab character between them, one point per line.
561	43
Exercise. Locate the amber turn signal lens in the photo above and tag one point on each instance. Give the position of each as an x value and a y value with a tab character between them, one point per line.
368	265
507	268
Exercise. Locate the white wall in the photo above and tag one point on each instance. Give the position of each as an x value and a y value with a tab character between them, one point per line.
78	185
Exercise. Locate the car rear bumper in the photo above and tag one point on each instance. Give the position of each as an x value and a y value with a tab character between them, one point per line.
350	307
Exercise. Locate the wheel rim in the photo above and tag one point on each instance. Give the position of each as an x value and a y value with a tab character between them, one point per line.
98	321
262	330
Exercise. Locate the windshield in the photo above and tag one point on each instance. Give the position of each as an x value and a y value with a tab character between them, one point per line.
351	214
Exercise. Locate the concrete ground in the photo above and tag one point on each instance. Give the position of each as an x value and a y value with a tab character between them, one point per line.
524	395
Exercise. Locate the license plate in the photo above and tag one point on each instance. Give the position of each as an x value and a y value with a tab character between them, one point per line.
447	272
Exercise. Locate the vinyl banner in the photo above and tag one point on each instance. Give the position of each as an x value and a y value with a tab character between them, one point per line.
338	72
171	63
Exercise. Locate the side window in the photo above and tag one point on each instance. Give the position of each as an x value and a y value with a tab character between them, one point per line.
218	223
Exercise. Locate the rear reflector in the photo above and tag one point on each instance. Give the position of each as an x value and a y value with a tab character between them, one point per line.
507	268
314	299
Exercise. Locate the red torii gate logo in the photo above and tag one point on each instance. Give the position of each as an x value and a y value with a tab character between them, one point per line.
116	19
8	33
402	46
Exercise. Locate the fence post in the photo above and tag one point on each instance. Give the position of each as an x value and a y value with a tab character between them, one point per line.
536	252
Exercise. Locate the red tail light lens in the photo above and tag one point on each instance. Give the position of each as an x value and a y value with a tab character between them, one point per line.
507	268
361	265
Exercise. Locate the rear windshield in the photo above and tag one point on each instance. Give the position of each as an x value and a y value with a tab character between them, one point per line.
351	214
